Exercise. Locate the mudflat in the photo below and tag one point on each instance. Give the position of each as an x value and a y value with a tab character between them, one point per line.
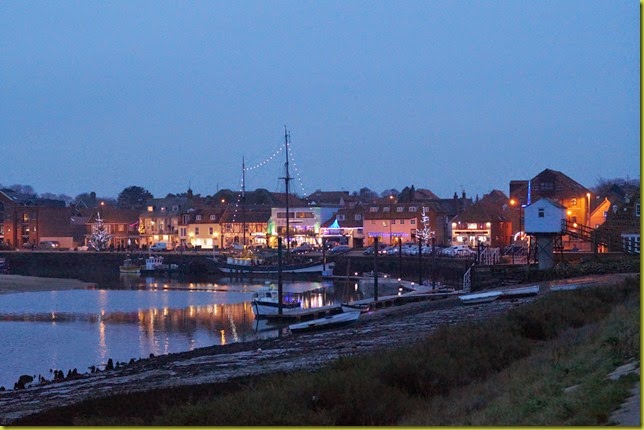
24	284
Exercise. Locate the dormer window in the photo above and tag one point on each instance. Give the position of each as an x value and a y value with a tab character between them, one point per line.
385	209
175	208
400	208
412	208
213	217
198	217
162	208
373	209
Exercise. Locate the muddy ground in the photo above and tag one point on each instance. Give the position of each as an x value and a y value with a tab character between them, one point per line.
395	326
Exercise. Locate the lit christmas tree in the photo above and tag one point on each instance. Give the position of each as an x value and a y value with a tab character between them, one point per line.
100	238
426	232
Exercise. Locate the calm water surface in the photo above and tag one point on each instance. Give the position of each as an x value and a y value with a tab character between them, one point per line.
134	318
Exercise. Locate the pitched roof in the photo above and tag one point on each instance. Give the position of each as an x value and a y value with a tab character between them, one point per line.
320	197
491	208
250	214
548	184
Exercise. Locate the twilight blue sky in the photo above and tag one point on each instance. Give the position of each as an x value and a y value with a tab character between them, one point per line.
445	95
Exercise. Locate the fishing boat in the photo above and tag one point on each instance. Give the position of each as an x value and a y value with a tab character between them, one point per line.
329	321
478	298
154	265
266	302
515	293
130	266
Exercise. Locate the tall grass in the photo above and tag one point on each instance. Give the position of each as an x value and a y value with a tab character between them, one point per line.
511	370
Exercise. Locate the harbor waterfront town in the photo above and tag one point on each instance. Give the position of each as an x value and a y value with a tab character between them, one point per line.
273	213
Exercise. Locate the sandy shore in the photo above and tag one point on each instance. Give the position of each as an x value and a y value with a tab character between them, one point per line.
23	284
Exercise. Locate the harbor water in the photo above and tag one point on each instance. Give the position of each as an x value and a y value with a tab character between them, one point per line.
41	332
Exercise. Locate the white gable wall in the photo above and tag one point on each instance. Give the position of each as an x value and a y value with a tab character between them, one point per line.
543	216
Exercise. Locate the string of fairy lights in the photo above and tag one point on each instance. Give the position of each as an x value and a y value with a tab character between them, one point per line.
266	161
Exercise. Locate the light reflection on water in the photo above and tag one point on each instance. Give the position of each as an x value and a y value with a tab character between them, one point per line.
71	329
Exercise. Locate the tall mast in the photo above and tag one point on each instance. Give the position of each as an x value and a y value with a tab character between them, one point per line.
287	178
243	201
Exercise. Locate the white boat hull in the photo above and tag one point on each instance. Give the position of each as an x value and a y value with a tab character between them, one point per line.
263	308
331	321
514	293
355	307
478	298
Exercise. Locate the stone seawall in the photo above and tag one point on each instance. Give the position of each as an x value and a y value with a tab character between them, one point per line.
87	266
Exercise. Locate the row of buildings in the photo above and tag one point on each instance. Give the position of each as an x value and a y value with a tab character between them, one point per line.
259	217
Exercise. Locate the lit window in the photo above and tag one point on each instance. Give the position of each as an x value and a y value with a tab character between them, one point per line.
150	208
573	202
162	208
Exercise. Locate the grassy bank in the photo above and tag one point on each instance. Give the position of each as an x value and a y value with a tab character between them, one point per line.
541	364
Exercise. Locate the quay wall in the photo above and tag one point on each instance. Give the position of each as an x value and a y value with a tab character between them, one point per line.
88	266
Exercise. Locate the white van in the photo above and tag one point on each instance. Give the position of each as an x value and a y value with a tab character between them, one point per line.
159	246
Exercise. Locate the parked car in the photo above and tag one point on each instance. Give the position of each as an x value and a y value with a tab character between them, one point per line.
49	244
159	246
340	249
303	248
458	251
369	250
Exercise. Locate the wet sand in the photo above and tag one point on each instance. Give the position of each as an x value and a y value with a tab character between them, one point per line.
23	284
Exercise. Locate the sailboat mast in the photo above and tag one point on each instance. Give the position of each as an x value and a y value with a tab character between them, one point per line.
243	201
287	178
